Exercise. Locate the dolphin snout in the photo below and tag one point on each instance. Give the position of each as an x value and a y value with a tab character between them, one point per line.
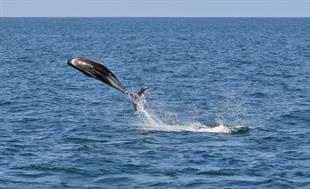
71	61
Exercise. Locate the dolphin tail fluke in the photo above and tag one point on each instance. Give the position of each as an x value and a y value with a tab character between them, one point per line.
135	97
141	91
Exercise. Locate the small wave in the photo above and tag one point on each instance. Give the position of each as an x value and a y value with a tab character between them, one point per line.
151	122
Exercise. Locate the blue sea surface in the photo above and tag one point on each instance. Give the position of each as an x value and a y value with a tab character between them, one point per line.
228	104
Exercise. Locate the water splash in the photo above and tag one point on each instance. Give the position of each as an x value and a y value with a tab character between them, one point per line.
151	122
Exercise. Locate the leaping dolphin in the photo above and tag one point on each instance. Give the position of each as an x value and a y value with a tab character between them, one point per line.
98	71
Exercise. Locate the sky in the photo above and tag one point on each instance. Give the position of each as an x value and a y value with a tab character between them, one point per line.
154	8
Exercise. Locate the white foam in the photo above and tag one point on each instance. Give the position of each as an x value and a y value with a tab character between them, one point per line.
188	128
151	122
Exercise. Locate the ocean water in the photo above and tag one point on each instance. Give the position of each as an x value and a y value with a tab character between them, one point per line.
228	104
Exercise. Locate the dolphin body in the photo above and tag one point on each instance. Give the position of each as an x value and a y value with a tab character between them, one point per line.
98	71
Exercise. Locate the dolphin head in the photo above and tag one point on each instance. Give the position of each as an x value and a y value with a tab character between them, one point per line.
81	65
72	62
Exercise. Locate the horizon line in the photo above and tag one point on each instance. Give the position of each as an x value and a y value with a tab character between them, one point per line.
154	16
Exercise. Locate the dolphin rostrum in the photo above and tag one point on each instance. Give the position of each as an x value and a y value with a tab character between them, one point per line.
98	71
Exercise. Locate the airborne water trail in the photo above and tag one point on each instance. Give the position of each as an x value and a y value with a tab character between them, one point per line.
151	122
